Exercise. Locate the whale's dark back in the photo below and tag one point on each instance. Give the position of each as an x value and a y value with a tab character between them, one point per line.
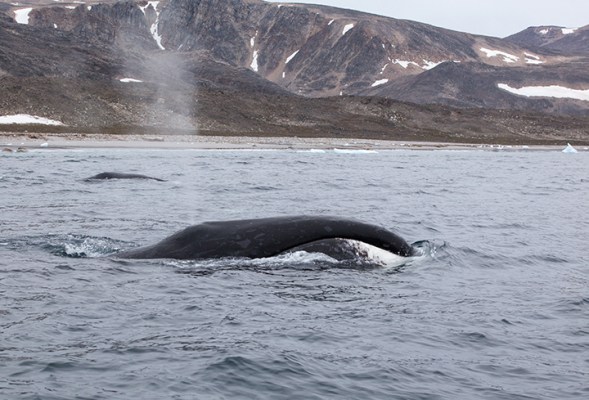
267	237
120	175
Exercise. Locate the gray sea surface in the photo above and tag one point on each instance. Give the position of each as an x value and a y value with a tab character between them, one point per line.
496	308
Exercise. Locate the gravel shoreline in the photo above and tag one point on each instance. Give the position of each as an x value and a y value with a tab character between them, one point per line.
23	142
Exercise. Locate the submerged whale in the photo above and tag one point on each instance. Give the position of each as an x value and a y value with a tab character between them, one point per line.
268	237
120	175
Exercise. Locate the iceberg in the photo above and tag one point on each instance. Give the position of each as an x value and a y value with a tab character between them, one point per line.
569	149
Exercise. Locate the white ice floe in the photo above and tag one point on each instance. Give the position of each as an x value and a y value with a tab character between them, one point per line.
508	58
347	28
569	149
380	82
129	80
21	16
293	55
556	91
27	119
568	31
89	8
44	144
254	64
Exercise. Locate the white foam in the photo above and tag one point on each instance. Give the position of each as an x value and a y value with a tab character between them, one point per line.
21	16
377	255
569	149
547	91
27	119
354	151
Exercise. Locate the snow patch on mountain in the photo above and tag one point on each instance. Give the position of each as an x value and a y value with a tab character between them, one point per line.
380	82
254	64
21	16
556	91
27	119
532	59
154	27
293	55
508	58
347	28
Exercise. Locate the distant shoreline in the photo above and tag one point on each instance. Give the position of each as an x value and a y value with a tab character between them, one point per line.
23	141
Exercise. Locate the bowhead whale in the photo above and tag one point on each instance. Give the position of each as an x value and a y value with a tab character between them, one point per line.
267	237
120	175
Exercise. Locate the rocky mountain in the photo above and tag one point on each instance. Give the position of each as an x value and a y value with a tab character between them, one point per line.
249	65
559	40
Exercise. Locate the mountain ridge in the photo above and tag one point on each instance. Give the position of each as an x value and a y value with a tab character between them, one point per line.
250	50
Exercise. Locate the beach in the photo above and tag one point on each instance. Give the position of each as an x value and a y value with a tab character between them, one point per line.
10	142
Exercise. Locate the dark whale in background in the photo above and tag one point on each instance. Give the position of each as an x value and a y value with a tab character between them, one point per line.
120	175
267	237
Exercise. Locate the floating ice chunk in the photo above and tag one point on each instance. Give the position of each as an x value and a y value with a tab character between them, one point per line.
569	149
22	15
27	119
347	28
44	144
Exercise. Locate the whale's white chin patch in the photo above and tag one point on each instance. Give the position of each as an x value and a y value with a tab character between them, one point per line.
375	254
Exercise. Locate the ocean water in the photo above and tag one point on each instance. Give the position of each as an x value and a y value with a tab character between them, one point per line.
496	308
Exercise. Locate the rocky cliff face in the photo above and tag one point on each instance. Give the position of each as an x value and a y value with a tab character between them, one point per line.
180	54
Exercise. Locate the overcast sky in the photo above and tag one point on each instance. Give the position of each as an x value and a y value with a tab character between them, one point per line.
486	17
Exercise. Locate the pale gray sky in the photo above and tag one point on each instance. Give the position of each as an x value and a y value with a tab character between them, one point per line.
489	17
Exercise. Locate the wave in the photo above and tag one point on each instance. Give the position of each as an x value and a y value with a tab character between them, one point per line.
67	245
